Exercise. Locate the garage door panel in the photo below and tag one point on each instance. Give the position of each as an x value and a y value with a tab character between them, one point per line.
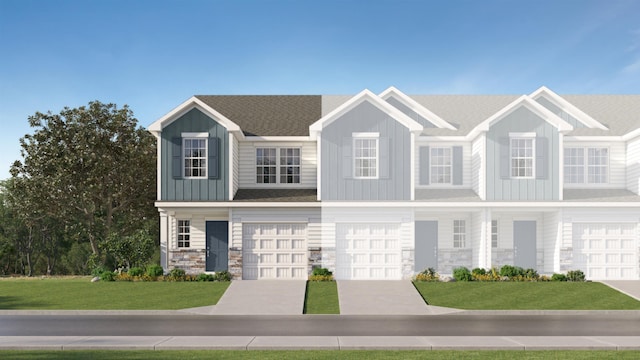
368	251
606	251
274	251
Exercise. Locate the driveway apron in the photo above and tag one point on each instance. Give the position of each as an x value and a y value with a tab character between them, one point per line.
262	297
383	297
627	287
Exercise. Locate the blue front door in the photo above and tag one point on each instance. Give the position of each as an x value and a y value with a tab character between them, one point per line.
217	245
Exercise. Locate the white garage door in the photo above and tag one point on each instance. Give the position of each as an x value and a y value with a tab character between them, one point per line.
368	252
606	251
274	251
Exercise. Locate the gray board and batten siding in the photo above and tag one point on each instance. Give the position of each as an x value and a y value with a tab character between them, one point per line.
561	113
338	182
175	187
410	113
545	185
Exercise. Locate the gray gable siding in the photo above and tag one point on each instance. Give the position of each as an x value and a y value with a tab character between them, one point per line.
410	113
561	113
173	189
395	161
500	188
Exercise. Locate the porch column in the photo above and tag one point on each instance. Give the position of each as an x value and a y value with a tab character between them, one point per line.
164	223
485	239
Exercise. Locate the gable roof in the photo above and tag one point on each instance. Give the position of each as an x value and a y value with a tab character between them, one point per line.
414	106
365	96
188	105
531	105
567	107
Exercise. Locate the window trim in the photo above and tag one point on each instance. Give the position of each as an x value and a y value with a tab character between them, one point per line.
365	136
585	165
195	136
523	136
462	240
431	165
277	165
181	225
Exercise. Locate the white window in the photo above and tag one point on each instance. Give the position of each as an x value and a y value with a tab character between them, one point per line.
459	234
597	165
522	150
365	155
440	166
194	157
271	168
289	166
266	165
184	233
586	165
494	233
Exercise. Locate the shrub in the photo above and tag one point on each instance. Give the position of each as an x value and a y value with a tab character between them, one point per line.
98	270
485	277
575	275
511	271
136	271
478	271
177	274
204	277
428	274
222	276
531	274
462	274
123	276
321	271
154	270
321	278
108	276
558	277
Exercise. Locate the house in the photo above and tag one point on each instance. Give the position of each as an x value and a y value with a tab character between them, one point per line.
381	186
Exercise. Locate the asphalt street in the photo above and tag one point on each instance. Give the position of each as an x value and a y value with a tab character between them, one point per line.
321	325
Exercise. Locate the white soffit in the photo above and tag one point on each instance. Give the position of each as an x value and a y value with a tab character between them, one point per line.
569	108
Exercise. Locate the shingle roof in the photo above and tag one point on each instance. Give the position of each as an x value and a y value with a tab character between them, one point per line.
279	195
448	195
268	115
291	115
601	195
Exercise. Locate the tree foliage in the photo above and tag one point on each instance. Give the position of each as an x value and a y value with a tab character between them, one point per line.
85	173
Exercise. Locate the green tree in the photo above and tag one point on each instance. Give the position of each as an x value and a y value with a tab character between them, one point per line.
87	169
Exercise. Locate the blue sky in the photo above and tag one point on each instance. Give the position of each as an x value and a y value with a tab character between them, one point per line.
153	55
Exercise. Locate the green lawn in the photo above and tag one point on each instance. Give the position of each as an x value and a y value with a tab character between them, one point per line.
321	298
81	294
317	354
525	296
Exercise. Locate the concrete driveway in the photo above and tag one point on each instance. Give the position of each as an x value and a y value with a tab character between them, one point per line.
628	287
383	297
263	297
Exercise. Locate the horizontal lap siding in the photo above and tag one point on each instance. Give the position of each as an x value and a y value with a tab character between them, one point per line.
633	166
466	163
307	216
617	163
247	163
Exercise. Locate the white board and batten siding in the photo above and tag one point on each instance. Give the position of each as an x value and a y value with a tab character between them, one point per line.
247	163
617	176
466	163
633	165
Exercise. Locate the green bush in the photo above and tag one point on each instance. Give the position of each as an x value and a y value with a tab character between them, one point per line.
108	276
575	275
558	277
479	271
177	274
511	271
462	274
321	271
222	276
154	270
98	270
321	278
531	274
204	277
136	271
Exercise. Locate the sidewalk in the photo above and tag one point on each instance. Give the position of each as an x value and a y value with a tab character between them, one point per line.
320	343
